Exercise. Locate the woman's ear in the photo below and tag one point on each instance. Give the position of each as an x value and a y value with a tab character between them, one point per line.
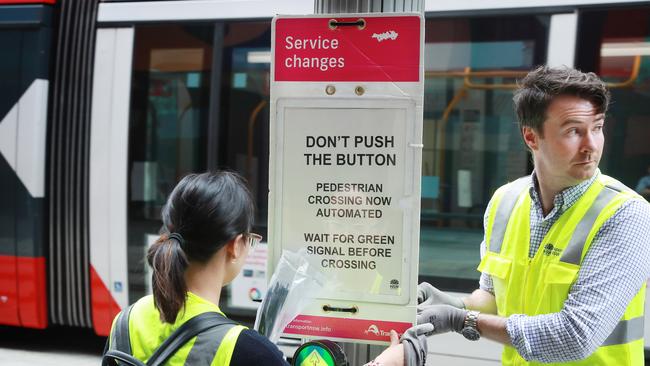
235	248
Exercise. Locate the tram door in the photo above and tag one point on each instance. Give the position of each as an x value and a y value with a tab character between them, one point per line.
169	130
169	99
618	50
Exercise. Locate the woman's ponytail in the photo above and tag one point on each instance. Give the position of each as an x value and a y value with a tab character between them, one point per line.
168	262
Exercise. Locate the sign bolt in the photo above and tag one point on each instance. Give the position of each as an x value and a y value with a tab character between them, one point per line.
359	90
330	89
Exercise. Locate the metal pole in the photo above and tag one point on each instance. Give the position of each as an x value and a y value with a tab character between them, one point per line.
367	6
358	354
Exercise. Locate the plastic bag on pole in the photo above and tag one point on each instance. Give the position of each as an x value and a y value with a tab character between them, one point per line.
294	284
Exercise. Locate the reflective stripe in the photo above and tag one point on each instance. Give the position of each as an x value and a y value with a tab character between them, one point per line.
206	345
120	338
573	251
616	185
504	210
626	331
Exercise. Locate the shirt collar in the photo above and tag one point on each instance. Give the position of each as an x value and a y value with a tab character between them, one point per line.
567	197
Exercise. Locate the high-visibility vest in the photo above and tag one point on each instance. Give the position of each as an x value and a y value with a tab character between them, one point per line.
147	332
541	284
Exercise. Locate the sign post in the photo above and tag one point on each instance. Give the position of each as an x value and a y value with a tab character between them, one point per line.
346	132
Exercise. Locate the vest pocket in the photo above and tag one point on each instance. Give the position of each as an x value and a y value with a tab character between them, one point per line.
558	279
495	265
498	268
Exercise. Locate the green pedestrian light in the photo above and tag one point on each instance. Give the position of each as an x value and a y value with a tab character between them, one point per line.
319	353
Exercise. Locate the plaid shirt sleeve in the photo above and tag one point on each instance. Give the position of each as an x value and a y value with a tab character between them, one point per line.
612	272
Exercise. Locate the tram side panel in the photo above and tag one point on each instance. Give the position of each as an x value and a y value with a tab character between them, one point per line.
108	175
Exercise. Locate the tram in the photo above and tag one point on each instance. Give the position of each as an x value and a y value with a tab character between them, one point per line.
104	106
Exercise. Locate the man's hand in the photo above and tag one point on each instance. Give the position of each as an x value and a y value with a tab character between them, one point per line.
414	341
429	295
445	318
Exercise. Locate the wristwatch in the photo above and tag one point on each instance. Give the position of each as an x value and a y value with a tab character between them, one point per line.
470	329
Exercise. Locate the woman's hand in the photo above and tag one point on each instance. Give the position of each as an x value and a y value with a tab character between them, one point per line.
393	355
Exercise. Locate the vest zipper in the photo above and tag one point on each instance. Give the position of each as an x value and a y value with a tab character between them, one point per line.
525	287
523	294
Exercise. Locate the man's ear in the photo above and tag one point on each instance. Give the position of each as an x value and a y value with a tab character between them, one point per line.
531	137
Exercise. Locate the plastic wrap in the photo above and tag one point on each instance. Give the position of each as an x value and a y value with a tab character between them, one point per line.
294	284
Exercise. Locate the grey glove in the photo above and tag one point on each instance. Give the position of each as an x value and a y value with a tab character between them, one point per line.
429	295
445	318
415	344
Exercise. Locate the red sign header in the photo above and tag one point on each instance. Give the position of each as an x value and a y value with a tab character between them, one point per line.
387	48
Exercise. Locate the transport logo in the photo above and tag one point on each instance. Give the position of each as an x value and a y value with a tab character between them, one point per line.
372	329
391	34
255	294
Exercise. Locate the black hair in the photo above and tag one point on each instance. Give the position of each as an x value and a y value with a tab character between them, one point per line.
207	210
540	86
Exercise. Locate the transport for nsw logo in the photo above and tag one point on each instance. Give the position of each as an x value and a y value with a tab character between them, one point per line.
549	249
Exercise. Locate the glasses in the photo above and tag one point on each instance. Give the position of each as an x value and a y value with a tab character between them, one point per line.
253	239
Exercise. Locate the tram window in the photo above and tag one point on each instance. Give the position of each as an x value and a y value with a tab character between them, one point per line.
471	141
615	44
171	75
245	103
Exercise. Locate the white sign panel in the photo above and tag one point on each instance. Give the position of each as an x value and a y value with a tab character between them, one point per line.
343	190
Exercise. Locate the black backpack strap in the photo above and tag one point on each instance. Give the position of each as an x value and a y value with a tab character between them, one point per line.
120	337
193	327
118	358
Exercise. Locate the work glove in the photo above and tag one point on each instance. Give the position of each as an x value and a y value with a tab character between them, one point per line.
445	318
414	341
429	295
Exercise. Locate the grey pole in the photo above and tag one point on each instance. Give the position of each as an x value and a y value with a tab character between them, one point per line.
358	354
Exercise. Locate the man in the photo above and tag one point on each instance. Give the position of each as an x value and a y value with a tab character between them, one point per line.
566	252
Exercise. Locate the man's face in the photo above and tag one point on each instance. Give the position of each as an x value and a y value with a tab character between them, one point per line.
572	143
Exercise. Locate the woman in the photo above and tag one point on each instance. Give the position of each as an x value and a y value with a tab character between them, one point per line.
207	222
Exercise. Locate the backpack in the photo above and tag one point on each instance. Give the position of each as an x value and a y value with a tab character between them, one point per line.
120	351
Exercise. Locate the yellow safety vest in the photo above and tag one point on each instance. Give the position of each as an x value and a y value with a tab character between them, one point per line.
147	332
541	285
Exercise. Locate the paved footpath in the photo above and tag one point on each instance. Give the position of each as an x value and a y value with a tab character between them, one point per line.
20	357
51	347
